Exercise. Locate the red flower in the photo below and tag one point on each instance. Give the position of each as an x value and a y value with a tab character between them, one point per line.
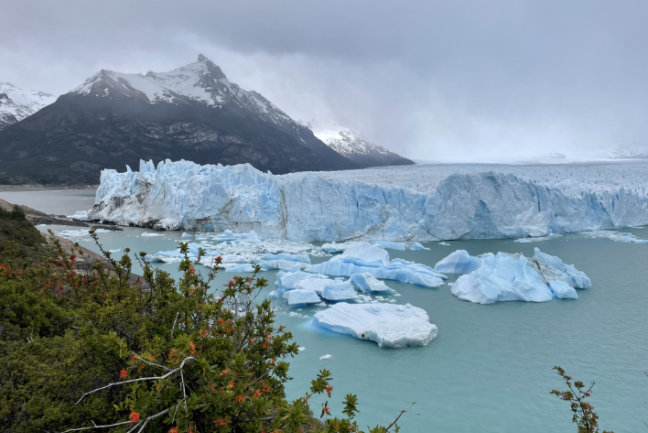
325	410
257	394
329	389
123	373
134	417
173	430
221	421
239	399
219	259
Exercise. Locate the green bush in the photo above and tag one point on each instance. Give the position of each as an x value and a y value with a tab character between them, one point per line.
107	352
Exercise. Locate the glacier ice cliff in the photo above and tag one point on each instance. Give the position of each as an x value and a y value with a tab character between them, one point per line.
417	203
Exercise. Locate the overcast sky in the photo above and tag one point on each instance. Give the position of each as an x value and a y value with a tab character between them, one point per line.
458	80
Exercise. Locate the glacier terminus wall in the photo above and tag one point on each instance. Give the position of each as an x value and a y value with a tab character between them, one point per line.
397	203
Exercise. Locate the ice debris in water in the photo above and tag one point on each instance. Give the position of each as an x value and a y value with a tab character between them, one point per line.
372	259
616	236
514	277
389	325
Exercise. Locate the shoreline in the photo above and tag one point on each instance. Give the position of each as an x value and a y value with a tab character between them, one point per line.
33	187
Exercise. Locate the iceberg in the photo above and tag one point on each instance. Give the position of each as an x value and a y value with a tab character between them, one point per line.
389	325
374	260
502	277
302	297
337	291
422	203
513	277
458	262
562	290
367	283
552	268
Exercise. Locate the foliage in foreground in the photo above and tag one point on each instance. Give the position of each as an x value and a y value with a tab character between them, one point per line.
102	352
577	394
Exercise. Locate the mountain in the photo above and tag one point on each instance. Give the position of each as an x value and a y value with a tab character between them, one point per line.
16	103
193	112
359	150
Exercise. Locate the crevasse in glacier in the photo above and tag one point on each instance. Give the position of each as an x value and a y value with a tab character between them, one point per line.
420	203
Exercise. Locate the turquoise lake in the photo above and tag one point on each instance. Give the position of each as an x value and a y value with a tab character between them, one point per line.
490	369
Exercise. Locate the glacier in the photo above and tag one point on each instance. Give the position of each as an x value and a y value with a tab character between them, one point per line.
389	325
416	203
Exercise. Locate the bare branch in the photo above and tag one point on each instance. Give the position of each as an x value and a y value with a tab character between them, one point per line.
140	379
153	364
396	420
95	426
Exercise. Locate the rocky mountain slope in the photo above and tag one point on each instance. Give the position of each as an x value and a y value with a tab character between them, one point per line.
16	103
360	150
193	112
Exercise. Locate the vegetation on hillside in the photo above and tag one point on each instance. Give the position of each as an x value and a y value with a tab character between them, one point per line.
104	352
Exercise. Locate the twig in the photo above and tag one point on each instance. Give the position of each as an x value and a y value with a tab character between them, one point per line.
140	379
95	426
153	364
396	420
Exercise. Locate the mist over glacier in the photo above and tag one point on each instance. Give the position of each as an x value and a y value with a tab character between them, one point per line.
415	203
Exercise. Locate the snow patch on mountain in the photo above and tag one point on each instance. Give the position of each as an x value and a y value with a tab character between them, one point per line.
17	103
351	145
201	81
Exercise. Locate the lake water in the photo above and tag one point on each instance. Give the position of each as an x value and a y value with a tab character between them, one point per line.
490	368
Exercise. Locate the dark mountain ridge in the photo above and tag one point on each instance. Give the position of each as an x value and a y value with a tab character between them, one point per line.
191	113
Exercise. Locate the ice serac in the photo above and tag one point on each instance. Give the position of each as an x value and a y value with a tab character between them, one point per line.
389	325
416	203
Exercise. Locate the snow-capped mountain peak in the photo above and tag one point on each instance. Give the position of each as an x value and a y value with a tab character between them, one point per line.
201	81
16	103
358	149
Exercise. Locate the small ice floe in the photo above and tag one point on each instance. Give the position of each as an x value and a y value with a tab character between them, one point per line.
327	356
151	234
400	246
367	283
389	325
616	236
339	291
301	348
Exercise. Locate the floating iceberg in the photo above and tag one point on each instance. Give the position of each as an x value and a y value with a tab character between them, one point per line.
367	283
401	246
389	325
459	262
562	290
302	297
392	204
513	277
371	259
553	268
339	291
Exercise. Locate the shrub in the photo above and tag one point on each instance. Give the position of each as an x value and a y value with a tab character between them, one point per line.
110	352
